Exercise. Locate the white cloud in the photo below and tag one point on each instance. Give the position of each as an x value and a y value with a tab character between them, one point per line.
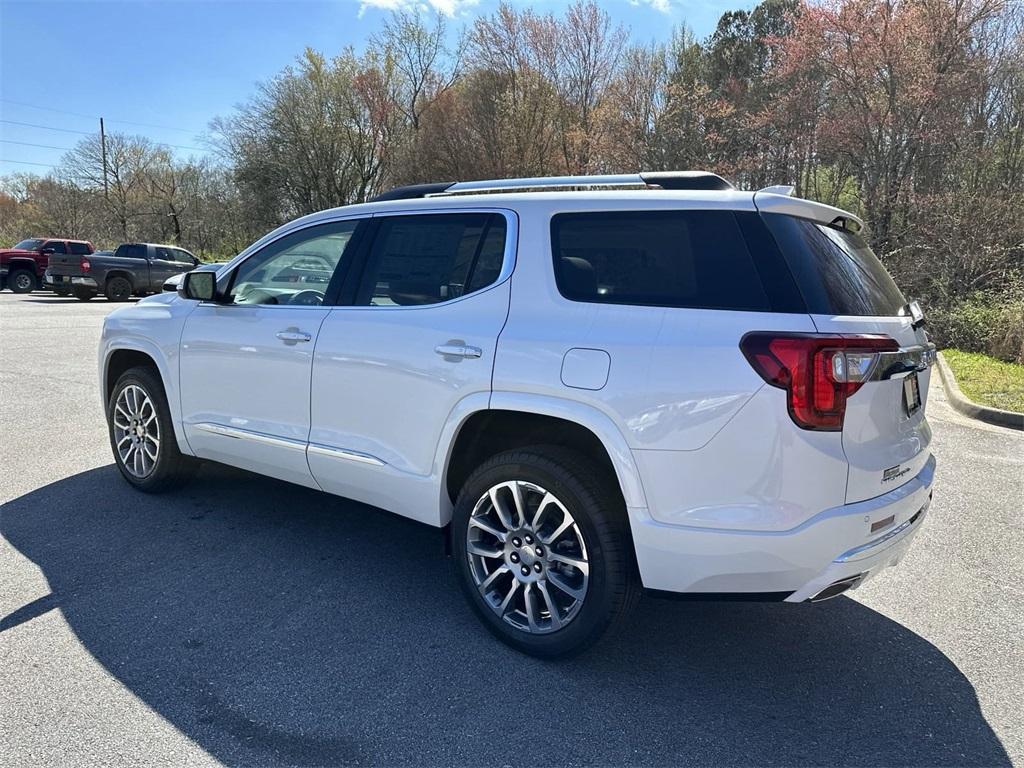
446	7
663	6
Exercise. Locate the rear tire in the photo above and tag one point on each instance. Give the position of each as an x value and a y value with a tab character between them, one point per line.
575	559
22	281
62	292
118	289
142	435
83	295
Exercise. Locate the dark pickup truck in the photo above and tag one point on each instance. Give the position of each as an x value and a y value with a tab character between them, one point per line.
135	269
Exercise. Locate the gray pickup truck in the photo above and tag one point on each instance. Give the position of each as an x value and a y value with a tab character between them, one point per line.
134	269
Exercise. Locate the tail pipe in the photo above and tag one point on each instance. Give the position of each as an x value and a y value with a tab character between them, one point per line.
837	588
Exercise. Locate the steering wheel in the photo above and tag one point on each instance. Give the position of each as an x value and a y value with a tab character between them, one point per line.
308	298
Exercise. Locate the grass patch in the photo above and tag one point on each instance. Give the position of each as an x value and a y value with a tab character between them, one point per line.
988	381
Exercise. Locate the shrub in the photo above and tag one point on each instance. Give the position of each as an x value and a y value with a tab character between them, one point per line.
991	324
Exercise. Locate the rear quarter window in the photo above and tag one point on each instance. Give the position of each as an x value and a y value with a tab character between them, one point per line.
835	269
696	259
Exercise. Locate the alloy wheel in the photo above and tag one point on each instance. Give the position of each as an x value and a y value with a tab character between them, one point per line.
527	557
136	430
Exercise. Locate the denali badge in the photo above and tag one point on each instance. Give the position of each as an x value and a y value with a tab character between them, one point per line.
892	473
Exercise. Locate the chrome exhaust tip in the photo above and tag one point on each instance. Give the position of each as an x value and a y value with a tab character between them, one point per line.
837	588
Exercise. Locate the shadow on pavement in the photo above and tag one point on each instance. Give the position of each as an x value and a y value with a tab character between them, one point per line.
272	624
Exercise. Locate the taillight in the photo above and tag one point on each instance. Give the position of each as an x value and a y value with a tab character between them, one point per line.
85	265
819	372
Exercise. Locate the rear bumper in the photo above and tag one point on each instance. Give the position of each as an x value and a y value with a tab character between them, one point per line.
850	542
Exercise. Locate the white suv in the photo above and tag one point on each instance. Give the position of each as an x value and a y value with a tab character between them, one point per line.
598	385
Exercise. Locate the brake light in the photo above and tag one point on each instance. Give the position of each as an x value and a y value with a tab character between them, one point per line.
819	372
85	265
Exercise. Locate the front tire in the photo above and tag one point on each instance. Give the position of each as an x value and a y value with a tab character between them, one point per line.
542	550
22	281
118	289
142	435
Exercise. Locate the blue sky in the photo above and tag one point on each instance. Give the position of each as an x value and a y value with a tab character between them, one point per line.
173	65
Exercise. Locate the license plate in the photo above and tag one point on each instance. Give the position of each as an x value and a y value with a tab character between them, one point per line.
911	394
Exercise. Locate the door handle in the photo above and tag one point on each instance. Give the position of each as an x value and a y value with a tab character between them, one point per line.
292	336
458	350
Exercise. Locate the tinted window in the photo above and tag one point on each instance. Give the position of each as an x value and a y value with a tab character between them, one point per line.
80	249
836	270
58	246
296	269
166	254
28	245
180	255
432	258
131	250
659	258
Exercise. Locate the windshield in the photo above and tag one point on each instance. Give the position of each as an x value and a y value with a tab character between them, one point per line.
29	245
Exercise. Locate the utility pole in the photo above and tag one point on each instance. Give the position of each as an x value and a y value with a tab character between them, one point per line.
103	149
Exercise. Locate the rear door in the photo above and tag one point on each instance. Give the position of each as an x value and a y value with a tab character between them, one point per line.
885	432
417	338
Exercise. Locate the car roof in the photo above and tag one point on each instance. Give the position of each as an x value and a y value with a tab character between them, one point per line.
599	200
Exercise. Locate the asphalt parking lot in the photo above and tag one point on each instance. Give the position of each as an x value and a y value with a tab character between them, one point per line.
245	621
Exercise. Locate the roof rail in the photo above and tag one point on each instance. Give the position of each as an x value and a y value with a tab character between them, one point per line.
693	180
412	191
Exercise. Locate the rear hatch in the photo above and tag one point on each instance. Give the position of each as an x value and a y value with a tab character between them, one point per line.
885	433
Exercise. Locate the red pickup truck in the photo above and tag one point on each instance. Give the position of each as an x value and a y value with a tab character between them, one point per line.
22	267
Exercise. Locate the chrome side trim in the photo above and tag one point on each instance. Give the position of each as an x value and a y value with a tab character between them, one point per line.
338	453
245	434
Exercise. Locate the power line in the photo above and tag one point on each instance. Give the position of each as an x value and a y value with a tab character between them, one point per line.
30	144
92	133
26	162
46	127
96	117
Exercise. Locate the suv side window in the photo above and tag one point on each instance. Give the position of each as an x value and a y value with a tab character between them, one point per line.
696	259
80	249
58	246
431	258
295	269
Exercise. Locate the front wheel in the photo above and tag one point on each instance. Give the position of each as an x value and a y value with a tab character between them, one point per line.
142	435
22	281
542	549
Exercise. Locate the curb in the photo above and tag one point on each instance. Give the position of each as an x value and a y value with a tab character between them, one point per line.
970	408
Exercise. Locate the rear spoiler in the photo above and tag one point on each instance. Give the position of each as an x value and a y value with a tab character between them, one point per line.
779	199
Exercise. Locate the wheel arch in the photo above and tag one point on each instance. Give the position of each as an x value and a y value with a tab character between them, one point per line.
515	420
126	354
19	263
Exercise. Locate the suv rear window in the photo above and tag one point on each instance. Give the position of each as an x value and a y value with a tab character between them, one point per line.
836	270
695	259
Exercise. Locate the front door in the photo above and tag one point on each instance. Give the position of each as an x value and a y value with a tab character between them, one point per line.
246	361
418	339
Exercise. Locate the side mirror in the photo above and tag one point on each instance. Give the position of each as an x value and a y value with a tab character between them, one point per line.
48	251
199	286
